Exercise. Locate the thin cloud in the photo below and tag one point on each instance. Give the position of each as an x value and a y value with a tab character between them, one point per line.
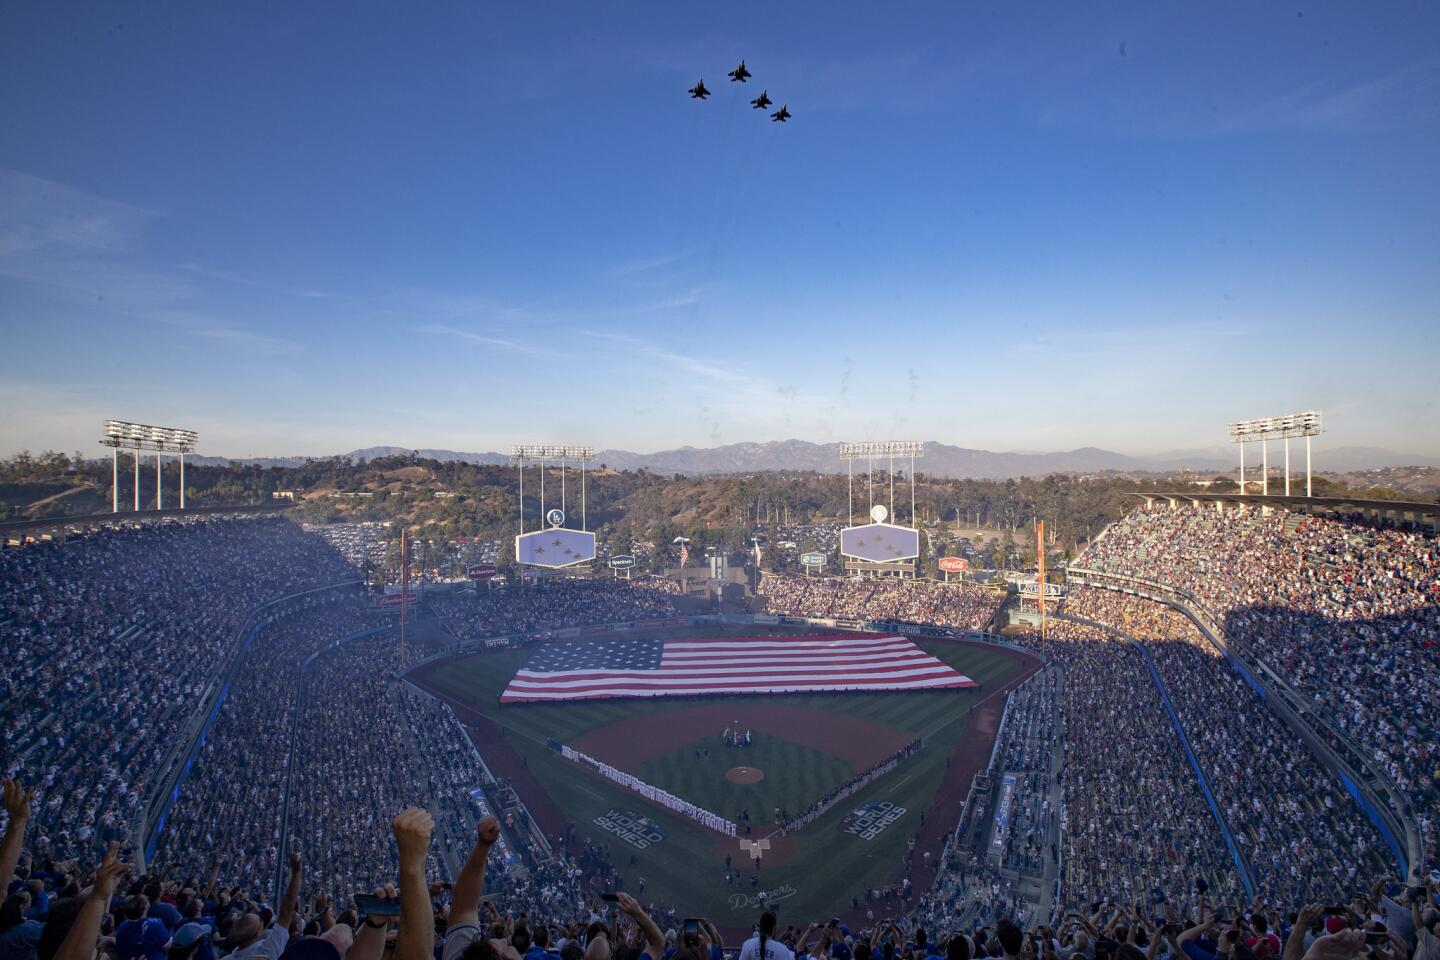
39	214
91	250
646	265
213	329
480	339
730	401
687	298
680	361
306	292
1406	97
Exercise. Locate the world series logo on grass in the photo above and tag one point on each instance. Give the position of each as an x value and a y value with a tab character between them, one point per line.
629	826
869	821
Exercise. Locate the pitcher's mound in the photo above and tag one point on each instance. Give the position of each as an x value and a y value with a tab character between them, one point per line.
744	774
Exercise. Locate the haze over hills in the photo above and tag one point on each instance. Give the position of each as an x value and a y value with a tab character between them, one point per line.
940	459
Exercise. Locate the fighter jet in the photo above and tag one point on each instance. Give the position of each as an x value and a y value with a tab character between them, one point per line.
740	73
762	101
698	92
781	115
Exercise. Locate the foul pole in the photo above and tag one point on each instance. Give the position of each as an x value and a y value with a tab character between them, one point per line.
1040	570
404	590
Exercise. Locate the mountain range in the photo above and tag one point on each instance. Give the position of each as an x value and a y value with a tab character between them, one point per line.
940	459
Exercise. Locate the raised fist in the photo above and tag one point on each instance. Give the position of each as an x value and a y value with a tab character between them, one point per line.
412	829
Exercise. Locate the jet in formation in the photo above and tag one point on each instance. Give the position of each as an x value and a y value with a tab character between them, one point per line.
741	74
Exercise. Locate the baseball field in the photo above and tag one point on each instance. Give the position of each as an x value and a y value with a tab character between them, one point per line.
802	747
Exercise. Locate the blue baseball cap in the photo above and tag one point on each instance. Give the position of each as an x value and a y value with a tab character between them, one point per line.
189	933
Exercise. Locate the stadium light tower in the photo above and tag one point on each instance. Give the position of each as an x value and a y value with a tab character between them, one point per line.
1264	430
124	435
873	545
868	450
558	546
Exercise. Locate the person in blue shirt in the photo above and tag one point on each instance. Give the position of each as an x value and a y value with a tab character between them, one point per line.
195	918
159	909
189	940
39	900
141	937
539	944
18	936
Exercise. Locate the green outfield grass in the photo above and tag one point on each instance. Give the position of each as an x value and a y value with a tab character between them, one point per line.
829	867
795	776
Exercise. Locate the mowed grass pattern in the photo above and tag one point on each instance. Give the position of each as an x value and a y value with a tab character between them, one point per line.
687	868
795	776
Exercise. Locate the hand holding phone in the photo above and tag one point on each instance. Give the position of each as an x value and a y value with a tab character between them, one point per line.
373	906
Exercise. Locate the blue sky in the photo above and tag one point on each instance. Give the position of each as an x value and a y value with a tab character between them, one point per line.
305	228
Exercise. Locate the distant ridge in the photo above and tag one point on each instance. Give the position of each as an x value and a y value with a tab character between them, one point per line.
940	460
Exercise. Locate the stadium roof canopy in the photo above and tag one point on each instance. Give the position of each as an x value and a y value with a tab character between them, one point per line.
92	521
1391	511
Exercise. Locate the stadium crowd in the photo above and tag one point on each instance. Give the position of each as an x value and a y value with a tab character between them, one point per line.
81	910
316	744
229	807
961	605
111	638
1124	775
1346	612
1026	750
552	605
1302	846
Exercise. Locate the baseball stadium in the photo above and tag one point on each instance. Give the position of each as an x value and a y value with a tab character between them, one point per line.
742	481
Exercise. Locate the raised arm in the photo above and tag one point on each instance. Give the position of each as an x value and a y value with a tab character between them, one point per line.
370	936
323	912
17	805
209	889
1295	943
292	893
416	940
470	885
1345	945
654	939
1427	887
715	937
1199	928
79	943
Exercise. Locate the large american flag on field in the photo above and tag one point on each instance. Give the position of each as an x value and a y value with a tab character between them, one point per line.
625	667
